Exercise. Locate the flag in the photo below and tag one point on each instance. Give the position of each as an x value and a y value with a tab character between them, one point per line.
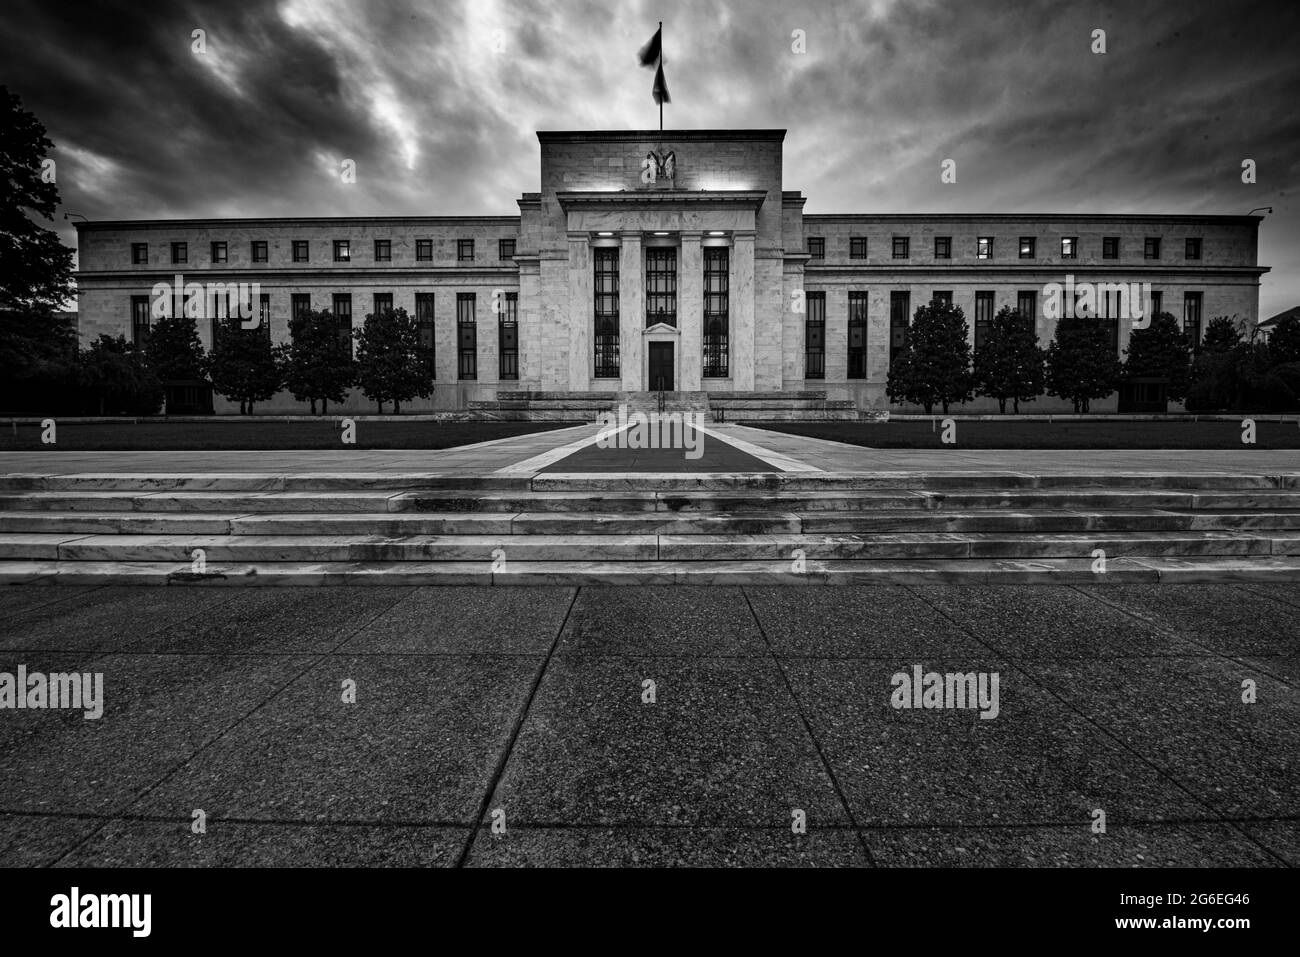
649	54
652	55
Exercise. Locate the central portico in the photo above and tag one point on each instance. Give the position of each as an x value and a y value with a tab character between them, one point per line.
653	276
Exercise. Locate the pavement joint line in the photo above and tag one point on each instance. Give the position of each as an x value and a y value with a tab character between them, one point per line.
1124	745
313	661
808	729
529	467
1246	586
778	460
522	716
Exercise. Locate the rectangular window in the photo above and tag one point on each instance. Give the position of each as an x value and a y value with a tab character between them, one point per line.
1069	247
605	291
1027	304
140	254
258	250
342	251
506	250
180	252
139	319
1028	247
942	247
382	301
1157	303
1110	247
301	251
1151	248
1193	250
464	250
425	330
984	247
343	318
900	307
817	247
942	295
1192	318
466	336
264	315
423	250
900	247
661	285
383	250
508	326
219	252
299	304
857	247
220	313
815	336
983	316
857	335
717	312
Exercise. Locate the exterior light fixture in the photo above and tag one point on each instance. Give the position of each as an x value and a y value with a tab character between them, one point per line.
605	234
717	232
661	234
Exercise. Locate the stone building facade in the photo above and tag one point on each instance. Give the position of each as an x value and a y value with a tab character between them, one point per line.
675	261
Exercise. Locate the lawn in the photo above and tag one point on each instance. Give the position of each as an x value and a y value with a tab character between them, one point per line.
1010	434
253	434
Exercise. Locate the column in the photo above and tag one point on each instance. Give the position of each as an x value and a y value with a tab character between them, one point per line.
742	312
581	312
631	311
690	312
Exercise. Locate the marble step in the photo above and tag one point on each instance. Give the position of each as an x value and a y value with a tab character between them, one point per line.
343	547
256	482
812	572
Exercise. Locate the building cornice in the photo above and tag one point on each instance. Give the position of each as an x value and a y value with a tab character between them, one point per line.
585	199
294	221
813	218
676	136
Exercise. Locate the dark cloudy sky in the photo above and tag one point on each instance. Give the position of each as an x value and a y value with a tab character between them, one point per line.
438	102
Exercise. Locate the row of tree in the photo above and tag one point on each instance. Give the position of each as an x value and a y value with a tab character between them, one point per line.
316	366
1225	371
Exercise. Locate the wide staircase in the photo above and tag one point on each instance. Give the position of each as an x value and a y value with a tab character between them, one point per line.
784	528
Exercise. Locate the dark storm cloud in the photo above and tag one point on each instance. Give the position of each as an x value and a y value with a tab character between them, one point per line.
438	103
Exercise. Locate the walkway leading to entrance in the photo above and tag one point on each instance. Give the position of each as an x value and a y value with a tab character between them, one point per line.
716	457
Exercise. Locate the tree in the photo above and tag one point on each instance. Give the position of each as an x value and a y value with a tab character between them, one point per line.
1160	351
391	365
1009	364
244	365
318	364
1284	341
174	350
935	366
116	377
1081	362
1221	335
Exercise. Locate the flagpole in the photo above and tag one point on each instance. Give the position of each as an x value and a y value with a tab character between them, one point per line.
661	99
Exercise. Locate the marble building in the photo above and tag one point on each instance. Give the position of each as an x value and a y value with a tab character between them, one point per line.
675	261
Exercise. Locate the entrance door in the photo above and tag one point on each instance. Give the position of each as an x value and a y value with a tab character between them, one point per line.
661	367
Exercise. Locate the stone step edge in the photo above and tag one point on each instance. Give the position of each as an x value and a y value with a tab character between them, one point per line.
990	571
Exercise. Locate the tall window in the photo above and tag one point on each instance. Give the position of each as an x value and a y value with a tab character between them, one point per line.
220	313
1192	318
857	247
900	307
423	250
1157	303
466	337
1193	249
1028	247
942	247
857	335
343	317
139	319
140	254
1110	247
218	250
1151	248
983	316
342	250
464	250
301	251
264	315
508	332
424	328
383	250
900	247
1069	247
258	251
984	247
180	252
299	304
942	295
817	247
661	285
383	300
506	248
717	308
606	319
1027	304
815	336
